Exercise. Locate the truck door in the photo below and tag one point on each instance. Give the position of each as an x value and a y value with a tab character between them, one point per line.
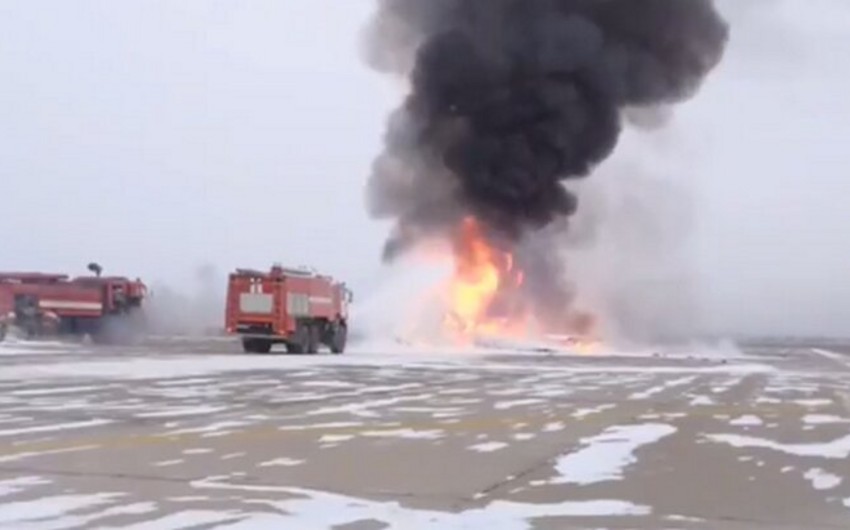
253	298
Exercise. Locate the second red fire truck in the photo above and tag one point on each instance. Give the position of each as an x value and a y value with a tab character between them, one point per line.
106	308
298	308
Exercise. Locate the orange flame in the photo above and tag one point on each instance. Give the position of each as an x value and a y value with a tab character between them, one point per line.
486	299
482	274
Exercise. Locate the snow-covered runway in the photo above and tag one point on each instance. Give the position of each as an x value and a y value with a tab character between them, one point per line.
190	434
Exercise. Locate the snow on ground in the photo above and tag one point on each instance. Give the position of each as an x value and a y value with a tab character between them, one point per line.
335	438
833	356
54	427
181	411
823	419
197	366
814	403
330	384
52	391
197	451
13	347
17	485
488	447
821	480
314	510
16	457
542	398
409	434
285	462
604	457
747	420
187	519
287	507
47	508
661	388
507	405
839	448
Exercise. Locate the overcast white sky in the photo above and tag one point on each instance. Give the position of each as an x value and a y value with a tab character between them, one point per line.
157	135
772	170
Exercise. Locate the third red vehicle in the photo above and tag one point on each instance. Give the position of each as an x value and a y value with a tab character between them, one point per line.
106	308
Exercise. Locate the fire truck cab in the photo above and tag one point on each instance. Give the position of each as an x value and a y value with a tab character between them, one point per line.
298	308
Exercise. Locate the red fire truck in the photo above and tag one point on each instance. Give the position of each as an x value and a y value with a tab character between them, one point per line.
295	307
106	308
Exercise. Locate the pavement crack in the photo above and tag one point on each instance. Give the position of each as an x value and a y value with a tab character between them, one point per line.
520	476
97	474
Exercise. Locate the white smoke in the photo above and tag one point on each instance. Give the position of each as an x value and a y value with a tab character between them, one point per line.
406	305
629	246
188	308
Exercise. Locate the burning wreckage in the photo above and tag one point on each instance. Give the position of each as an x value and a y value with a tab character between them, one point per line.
510	100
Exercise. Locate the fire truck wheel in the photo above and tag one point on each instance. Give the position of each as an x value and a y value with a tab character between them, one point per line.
296	345
30	330
256	346
300	341
313	339
339	339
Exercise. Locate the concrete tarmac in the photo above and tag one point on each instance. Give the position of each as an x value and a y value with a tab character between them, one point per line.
178	434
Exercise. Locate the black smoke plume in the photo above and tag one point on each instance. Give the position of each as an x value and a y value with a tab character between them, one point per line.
510	99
